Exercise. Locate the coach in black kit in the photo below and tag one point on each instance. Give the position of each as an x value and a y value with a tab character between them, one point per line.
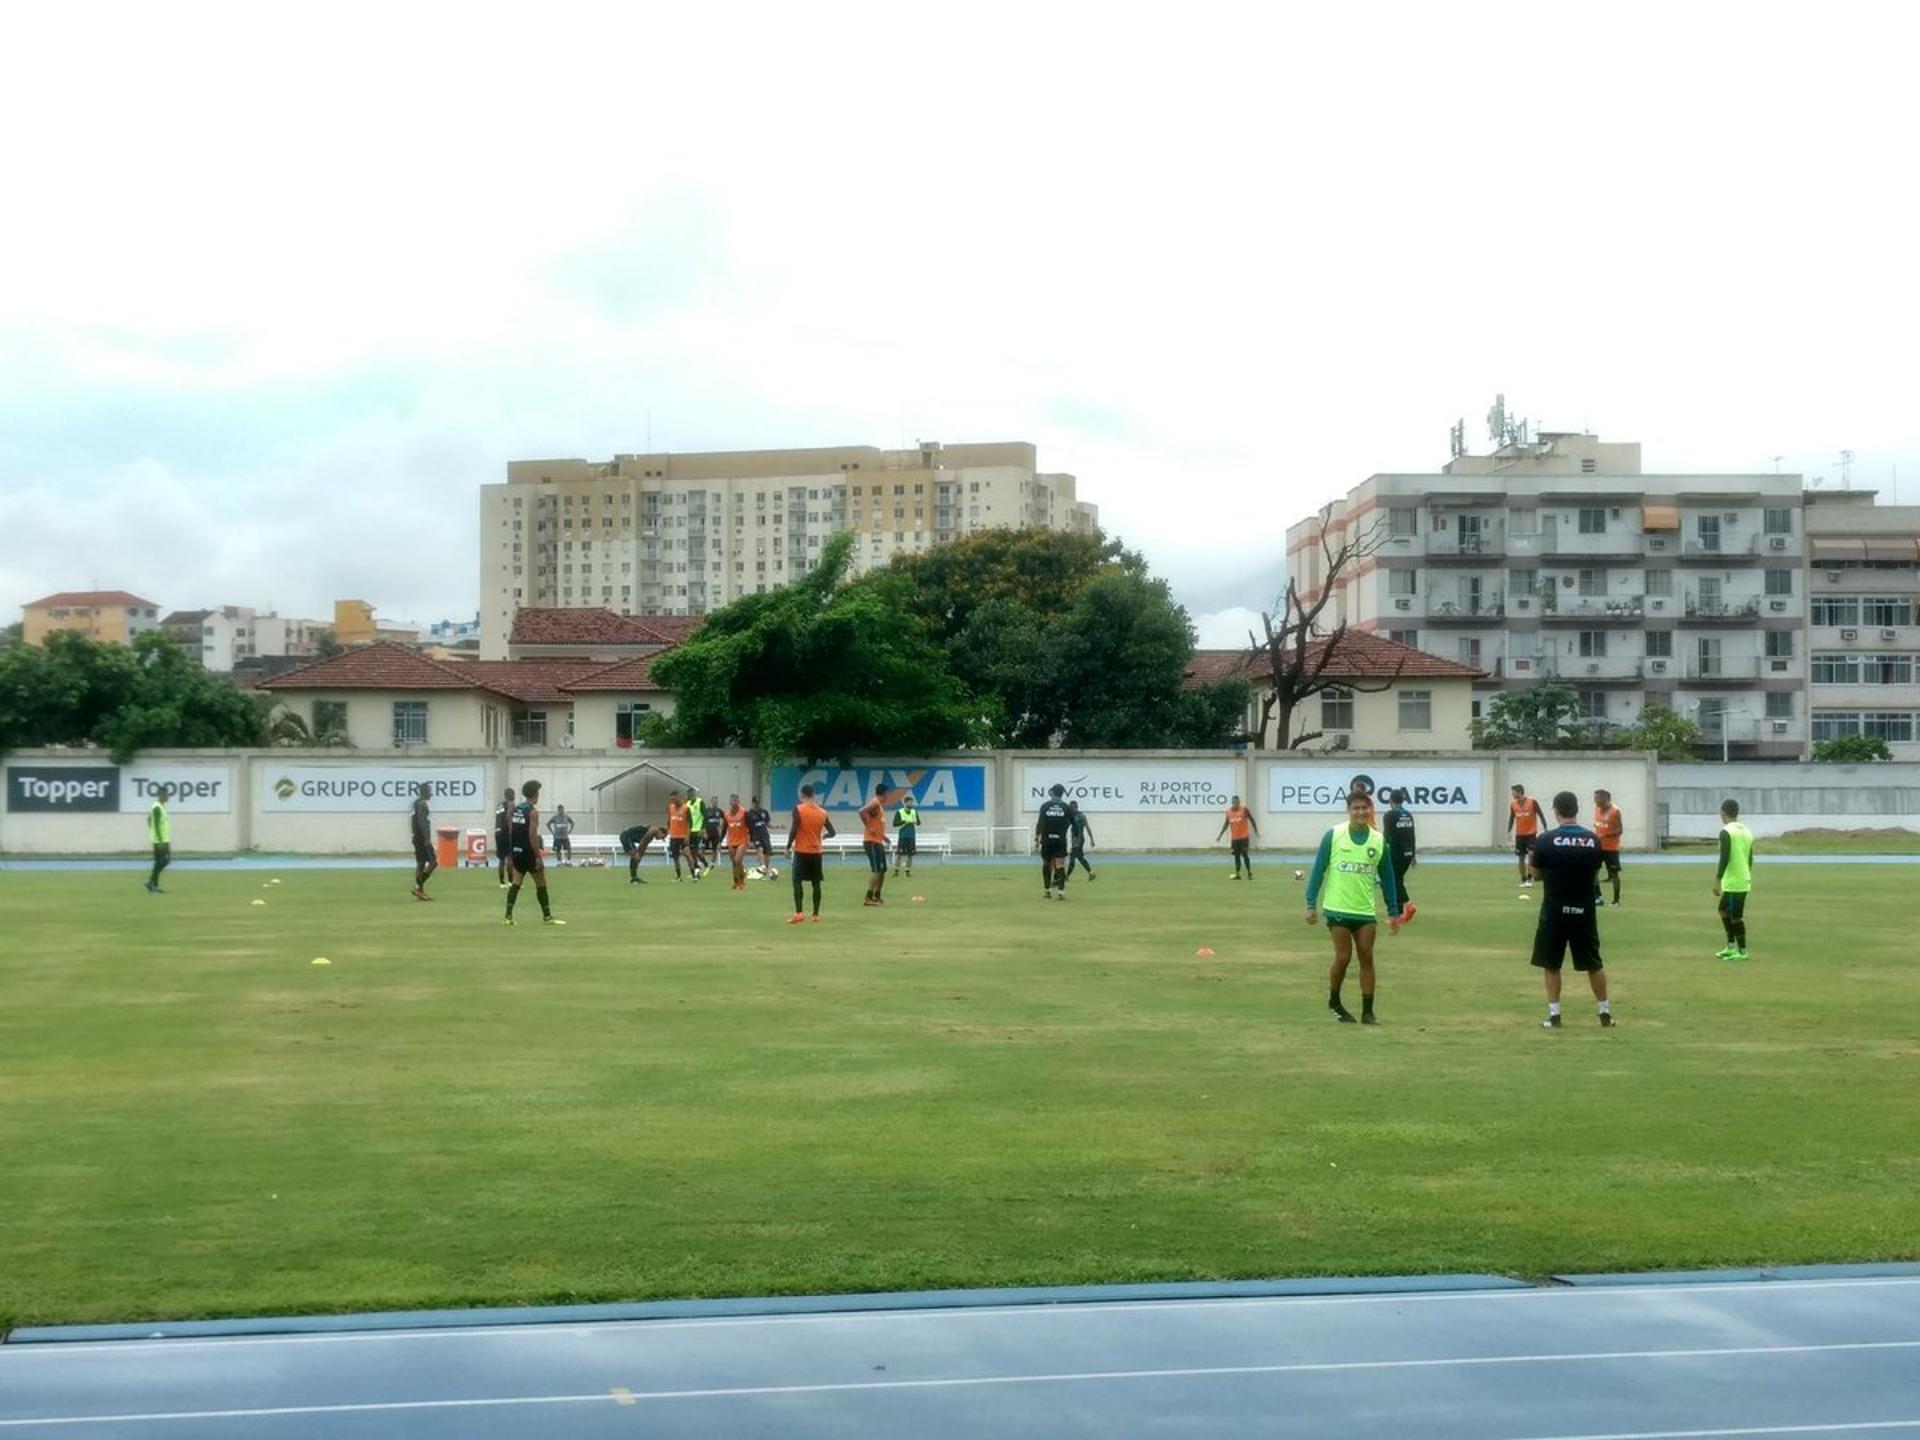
1567	858
1050	830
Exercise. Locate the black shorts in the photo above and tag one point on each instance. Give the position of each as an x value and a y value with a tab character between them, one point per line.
1051	849
759	840
526	862
876	855
1558	934
501	849
1522	844
677	845
1611	859
421	853
809	867
1353	923
1733	904
906	845
1240	847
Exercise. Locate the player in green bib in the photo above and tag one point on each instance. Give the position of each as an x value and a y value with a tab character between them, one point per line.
160	836
1733	881
906	820
1353	858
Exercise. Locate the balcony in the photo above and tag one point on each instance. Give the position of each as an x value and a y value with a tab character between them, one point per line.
1731	548
1453	546
1586	669
1725	670
1486	611
1588	608
1607	545
1722	612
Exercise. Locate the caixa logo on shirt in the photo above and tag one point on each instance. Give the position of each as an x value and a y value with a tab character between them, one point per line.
65	789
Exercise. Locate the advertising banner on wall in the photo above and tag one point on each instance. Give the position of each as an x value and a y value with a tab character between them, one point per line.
1133	786
63	789
196	789
934	788
366	789
1432	789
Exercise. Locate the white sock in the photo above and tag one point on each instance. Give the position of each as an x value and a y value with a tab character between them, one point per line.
1603	1008
1553	1007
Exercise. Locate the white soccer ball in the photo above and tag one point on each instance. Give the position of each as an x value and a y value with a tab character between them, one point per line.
772	873
1299	874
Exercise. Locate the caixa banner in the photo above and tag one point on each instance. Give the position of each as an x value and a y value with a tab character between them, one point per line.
934	788
1432	789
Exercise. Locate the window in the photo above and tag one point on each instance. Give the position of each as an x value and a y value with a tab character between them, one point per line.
1593	704
1779	582
1886	610
1835	610
1593	520
1779	644
1409	638
1593	643
409	722
1403	520
1660	644
1402	582
1836	670
1336	709
1708	529
1832	724
1659	582
1779	520
1779	705
1889	725
1524	581
628	717
1593	582
1709	593
1416	709
529	727
1886	669
329	720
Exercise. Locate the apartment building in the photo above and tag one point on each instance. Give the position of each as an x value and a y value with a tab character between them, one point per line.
1863	603
225	639
102	614
686	534
1558	558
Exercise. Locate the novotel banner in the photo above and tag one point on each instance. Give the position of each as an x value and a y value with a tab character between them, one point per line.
1132	786
934	788
364	789
1433	789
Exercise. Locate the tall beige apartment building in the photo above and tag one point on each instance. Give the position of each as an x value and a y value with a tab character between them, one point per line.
685	534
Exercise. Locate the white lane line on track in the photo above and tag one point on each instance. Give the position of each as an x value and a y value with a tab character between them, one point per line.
1849	1427
1206	1372
1056	1309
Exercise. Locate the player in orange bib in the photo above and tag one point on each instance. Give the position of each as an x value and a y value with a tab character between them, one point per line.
873	840
1607	824
1524	822
1241	823
806	831
737	841
676	830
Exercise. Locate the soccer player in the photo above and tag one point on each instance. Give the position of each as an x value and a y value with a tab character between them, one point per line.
1081	835
760	833
737	841
873	840
561	828
1524	821
159	836
906	819
1239	820
1568	858
502	839
1401	844
1733	881
634	841
523	842
809	826
696	832
1051	828
678	824
1352	857
1607	824
424	863
716	832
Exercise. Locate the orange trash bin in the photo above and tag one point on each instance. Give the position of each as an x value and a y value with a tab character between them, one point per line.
446	846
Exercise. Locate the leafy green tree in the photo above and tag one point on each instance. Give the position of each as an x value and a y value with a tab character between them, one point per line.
1665	731
124	698
1852	749
816	670
1039	571
12	635
326	645
1545	716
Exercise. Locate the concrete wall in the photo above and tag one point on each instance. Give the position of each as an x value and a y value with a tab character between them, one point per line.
1776	799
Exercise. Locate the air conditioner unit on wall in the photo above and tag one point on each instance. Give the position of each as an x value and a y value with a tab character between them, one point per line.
1889	634
1593	669
1731	517
1833	577
1779	727
1778	542
1780	667
1849	634
1657	667
1402	603
1779	607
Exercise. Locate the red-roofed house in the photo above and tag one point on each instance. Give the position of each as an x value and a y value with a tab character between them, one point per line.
595	633
1399	698
102	614
386	696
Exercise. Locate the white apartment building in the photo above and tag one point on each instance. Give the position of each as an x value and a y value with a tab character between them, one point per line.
1557	558
686	534
1863	604
221	639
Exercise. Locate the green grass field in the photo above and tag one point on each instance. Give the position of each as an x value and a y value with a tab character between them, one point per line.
680	1095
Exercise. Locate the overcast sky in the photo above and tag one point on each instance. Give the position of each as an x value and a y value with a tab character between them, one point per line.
280	286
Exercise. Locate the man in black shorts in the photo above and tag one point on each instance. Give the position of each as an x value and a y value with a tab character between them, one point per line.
634	841
1082	836
1567	858
760	834
523	845
1051	829
502	837
421	827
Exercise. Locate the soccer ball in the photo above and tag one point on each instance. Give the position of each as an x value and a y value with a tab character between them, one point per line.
772	873
1299	874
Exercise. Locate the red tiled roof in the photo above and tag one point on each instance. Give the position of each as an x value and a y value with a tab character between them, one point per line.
385	666
621	675
1361	655
88	597
530	681
597	625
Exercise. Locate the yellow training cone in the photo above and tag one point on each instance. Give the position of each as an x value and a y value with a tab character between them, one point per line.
321	960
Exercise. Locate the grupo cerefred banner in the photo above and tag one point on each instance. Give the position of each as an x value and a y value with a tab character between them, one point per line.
367	789
1431	789
1132	786
934	788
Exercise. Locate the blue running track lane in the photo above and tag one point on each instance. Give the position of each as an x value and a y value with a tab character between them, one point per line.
1805	1352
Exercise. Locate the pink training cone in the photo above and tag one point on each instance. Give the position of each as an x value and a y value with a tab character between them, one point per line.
1205	952
919	899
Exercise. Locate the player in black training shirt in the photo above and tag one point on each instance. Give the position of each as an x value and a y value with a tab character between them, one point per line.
760	834
523	845
634	841
1567	858
502	837
1051	829
1401	845
421	827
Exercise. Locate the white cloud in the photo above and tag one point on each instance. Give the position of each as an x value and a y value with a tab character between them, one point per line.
1226	629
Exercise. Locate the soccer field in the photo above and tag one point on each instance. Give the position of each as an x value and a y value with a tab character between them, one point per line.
678	1094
